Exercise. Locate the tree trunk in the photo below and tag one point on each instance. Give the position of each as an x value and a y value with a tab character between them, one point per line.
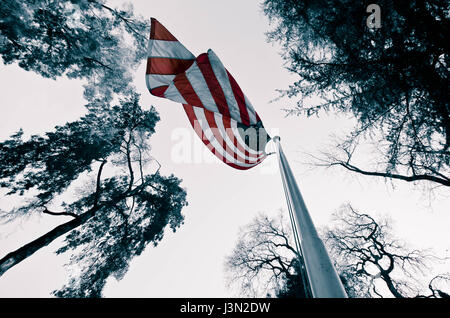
29	249
391	286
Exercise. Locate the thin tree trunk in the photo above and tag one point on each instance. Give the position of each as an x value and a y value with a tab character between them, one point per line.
29	249
15	257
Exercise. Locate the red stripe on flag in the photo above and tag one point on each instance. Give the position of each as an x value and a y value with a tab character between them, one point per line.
213	84
185	88
240	99
159	91
159	32
167	66
197	128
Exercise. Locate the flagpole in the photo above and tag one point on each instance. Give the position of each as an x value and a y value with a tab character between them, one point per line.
322	276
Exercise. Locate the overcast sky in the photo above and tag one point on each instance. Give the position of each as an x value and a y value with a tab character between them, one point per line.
189	263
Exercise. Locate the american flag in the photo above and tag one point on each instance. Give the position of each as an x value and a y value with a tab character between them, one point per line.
220	113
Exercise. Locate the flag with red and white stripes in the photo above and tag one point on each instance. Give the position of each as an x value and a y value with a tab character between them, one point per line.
220	113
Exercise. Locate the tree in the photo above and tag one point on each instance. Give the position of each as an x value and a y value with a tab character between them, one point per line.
82	39
264	260
368	256
369	261
124	203
113	218
394	80
293	286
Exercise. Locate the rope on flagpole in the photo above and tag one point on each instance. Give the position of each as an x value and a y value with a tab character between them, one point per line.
301	265
323	279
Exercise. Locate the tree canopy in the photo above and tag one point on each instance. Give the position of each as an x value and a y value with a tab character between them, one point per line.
394	79
98	170
82	39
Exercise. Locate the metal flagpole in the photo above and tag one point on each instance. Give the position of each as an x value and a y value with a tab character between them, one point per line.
322	276
302	269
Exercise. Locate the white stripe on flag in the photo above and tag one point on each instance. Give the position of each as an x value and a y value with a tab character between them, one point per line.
198	83
173	93
156	80
250	110
170	49
222	76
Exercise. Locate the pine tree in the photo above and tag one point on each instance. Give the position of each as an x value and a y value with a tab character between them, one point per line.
97	170
393	80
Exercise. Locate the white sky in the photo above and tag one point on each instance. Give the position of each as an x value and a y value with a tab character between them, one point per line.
190	262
